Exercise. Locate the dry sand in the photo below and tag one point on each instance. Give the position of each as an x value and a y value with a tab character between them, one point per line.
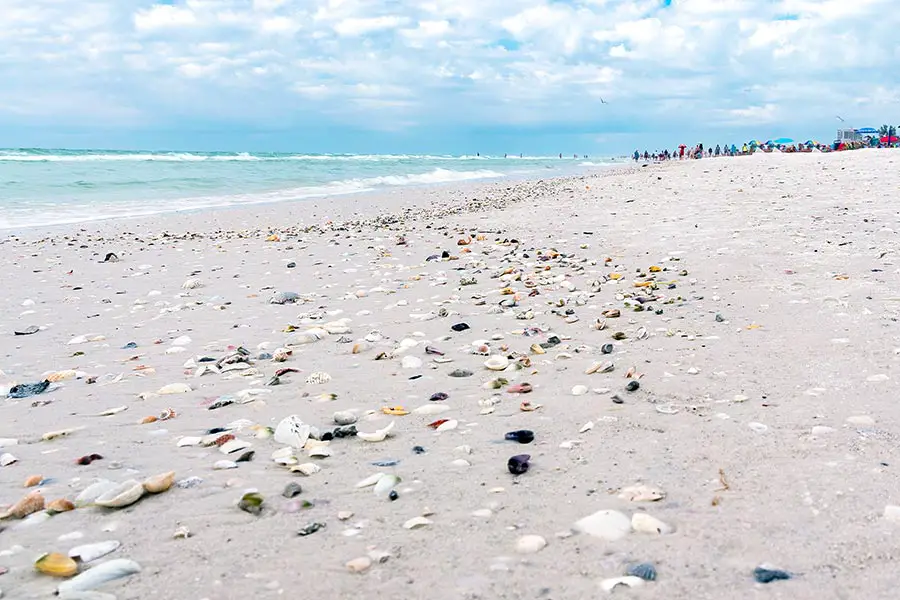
796	254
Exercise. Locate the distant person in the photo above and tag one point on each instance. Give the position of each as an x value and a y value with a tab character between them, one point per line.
681	152
733	150
636	156
560	154
745	149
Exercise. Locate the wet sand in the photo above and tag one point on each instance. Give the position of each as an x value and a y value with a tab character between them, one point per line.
777	293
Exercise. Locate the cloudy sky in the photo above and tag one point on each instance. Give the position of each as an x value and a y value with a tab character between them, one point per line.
441	75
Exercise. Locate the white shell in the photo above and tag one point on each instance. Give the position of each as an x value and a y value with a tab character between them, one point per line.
608	585
318	377
191	284
306	469
292	431
644	523
319	451
232	446
579	390
377	436
451	424
98	575
124	494
530	544
221	465
411	362
417	523
90	552
370	480
174	388
385	484
431	409
609	525
345	417
641	493
90	494
7	459
496	363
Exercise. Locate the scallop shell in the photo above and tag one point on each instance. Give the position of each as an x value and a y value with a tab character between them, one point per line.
56	565
30	504
496	363
60	506
98	575
90	552
90	494
159	483
318	377
123	494
174	388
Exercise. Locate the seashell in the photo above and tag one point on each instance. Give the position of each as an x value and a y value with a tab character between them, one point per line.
233	446
292	431
7	459
385	485
306	469
30	504
609	525
319	451
641	493
530	544
645	571
33	480
252	503
90	552
377	436
644	523
90	494
189	441
98	575
159	483
447	425
417	523
318	377
122	495
182	533
56	565
224	465
358	565
767	575
174	388
579	390
191	284
496	363
52	435
411	362
431	409
609	585
61	375
60	506
112	411
482	350
370	480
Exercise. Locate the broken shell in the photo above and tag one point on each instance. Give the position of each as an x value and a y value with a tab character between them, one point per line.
644	523
182	533
318	377
292	431
124	494
90	494
641	493
60	506
370	480
159	483
645	571
609	585
33	480
30	504
306	469
7	459
97	576
376	436
417	523
252	503
90	552
191	284
224	465
496	363
56	565
174	388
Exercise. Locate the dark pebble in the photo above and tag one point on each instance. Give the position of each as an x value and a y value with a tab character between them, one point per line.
459	327
618	399
438	397
311	529
393	495
518	464
291	490
418	450
606	349
633	386
523	436
291	265
719	318
461	373
763	575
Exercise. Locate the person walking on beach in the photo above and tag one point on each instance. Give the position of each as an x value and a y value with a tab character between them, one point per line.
637	156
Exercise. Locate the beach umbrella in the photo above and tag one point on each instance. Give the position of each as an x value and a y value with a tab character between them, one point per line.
780	141
893	139
867	130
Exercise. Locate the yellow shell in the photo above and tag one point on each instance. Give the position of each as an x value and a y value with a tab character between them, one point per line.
398	411
615	276
159	483
31	503
60	506
61	375
56	565
33	480
655	269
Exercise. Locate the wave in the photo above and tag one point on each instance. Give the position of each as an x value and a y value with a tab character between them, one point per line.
29	155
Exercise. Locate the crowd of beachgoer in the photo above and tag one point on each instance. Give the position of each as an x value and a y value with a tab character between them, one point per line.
683	152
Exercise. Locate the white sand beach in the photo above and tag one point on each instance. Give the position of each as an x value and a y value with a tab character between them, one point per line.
758	300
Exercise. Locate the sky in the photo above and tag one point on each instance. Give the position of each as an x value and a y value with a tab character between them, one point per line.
456	76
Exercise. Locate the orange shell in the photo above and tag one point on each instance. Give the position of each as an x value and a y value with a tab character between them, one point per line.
31	503
60	506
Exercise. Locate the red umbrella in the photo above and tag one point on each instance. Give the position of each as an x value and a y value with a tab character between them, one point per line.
890	139
682	146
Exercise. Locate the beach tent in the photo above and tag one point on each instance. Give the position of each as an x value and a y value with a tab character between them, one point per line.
781	141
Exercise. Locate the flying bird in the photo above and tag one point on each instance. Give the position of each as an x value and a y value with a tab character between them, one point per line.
602	101
838	117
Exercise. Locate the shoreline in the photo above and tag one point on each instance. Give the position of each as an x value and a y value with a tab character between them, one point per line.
752	300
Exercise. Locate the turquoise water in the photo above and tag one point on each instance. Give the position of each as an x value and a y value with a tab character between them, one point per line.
53	187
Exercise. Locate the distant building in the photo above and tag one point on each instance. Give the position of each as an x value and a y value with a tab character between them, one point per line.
848	135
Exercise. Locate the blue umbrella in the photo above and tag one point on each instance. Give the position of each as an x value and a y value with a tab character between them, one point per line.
867	130
780	141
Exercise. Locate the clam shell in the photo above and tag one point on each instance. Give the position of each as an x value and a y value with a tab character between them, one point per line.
7	459
417	523
61	375
306	469
56	565
174	388
91	552
448	425
222	465
98	575
377	436
385	484
644	523
234	446
60	506
496	363
292	431
345	417
579	390
370	480
31	503
159	483
609	585
431	409
530	544
33	480
90	494
124	494
609	525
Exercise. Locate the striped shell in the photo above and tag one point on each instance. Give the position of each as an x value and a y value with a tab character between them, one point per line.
318	377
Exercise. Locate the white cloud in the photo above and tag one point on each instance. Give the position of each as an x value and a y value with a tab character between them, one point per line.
447	63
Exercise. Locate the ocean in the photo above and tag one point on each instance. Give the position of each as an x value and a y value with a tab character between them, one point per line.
54	187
